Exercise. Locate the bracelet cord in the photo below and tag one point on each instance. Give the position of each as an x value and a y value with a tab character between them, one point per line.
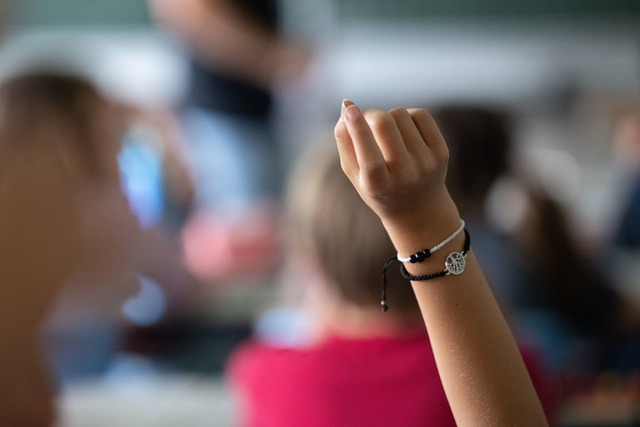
460	256
426	253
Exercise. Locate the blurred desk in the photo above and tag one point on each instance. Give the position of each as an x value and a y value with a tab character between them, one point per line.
610	400
147	401
613	414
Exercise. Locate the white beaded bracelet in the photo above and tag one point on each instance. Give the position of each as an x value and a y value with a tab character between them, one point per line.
426	253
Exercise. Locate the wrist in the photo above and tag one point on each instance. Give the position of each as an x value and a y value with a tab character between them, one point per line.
420	229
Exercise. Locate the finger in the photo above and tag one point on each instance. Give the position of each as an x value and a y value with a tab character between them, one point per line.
413	140
348	159
370	159
345	103
430	133
385	131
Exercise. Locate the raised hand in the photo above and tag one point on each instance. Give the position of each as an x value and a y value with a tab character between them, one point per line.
397	161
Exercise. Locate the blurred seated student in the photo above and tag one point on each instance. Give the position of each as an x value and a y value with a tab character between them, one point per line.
567	303
352	364
623	258
554	295
480	141
69	243
627	158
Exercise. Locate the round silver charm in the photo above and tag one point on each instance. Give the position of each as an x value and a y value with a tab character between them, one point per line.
455	263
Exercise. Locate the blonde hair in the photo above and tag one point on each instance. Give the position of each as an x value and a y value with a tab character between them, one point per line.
326	216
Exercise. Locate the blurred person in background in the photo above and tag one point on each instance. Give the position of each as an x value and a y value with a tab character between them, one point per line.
627	155
568	303
71	249
554	294
335	358
481	146
239	60
623	252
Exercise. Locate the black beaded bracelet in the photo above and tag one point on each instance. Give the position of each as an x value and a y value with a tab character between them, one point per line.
426	253
454	264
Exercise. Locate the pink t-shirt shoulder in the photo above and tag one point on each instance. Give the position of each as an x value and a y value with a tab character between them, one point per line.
341	382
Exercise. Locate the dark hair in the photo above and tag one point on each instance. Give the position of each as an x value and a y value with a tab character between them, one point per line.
479	140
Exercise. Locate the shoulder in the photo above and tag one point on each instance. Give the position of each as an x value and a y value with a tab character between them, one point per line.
256	360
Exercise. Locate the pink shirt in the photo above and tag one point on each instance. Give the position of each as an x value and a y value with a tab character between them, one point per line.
346	382
341	382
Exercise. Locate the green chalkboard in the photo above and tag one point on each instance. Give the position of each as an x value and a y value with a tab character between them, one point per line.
135	12
37	13
489	9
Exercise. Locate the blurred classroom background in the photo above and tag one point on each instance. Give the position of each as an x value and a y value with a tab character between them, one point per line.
565	71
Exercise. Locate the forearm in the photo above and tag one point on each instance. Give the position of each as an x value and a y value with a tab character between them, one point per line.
397	162
474	346
223	37
470	338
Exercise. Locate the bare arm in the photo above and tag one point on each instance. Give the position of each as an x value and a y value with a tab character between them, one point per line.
397	161
220	34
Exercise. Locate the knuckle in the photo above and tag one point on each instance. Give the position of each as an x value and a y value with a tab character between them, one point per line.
374	185
442	154
445	154
419	112
408	177
398	112
379	121
373	178
371	170
420	115
339	130
346	168
349	169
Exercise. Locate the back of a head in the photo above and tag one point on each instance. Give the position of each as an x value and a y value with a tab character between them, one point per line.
62	115
327	217
42	153
479	140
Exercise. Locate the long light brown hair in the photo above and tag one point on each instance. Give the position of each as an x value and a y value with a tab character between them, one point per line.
61	212
63	116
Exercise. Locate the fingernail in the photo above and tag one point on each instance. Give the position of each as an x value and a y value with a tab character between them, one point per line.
352	112
345	104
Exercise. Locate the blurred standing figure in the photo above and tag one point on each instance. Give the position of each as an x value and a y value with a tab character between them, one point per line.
238	61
